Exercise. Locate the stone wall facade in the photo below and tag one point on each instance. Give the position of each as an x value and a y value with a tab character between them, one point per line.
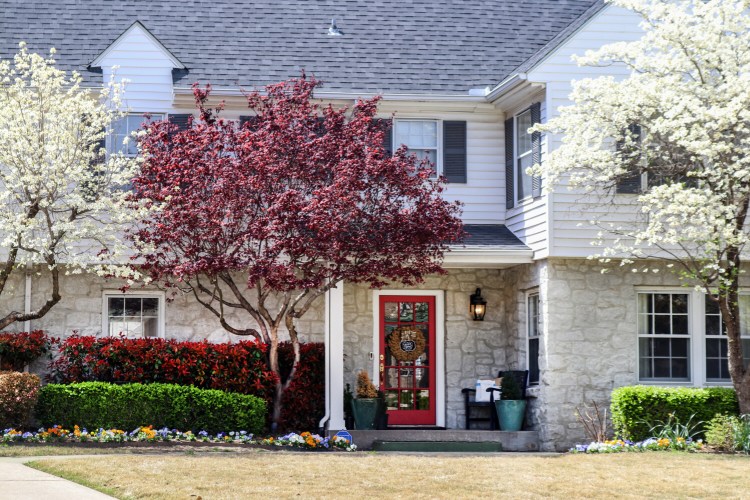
81	310
588	344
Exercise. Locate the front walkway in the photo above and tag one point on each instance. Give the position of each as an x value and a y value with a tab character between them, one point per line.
19	482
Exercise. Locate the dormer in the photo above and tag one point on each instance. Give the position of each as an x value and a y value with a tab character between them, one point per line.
145	64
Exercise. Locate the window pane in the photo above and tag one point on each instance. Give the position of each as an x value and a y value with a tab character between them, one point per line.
116	306
679	303
680	368
416	134
680	325
662	324
534	360
150	306
523	138
662	303
132	307
713	325
524	186
713	369
150	327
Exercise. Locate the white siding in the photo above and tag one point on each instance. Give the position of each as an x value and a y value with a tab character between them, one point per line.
483	194
528	221
145	67
571	233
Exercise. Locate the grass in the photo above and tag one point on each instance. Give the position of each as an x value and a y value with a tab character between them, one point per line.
373	475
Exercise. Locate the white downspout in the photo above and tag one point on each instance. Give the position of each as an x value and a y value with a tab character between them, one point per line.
327	340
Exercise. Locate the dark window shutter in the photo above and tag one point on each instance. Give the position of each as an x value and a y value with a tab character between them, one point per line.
182	121
387	126
252	120
454	151
630	183
509	161
320	126
536	149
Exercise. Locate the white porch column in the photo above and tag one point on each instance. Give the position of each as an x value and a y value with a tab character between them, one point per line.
334	327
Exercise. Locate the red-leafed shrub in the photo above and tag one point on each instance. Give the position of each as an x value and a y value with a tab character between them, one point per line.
236	367
20	349
303	404
18	395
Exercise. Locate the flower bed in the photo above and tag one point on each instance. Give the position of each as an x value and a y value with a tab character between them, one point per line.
59	434
650	444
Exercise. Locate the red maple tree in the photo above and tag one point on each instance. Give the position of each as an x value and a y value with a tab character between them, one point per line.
265	217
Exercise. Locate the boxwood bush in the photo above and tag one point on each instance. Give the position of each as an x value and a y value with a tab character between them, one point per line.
635	409
127	406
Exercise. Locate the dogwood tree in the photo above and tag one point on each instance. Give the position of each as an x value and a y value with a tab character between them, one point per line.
264	218
60	200
682	118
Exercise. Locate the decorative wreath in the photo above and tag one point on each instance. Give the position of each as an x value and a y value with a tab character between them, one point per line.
406	343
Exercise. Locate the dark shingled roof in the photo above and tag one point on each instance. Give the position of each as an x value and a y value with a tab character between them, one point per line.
421	46
491	235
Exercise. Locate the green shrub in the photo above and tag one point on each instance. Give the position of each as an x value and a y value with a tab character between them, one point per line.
636	409
127	406
18	395
720	432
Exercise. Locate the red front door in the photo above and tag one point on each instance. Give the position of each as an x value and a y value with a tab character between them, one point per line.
407	358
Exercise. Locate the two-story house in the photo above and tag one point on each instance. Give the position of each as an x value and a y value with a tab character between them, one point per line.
463	81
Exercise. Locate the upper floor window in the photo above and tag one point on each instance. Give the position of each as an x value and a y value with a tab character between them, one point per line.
420	137
523	155
134	315
523	149
124	127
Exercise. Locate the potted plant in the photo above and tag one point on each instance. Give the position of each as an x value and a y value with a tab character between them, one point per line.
511	408
365	405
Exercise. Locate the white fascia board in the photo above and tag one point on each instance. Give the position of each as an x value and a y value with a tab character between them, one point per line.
96	63
487	257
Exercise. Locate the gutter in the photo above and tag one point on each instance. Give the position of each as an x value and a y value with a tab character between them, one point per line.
506	85
233	91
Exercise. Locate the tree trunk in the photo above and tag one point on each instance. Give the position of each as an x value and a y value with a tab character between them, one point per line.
273	362
728	297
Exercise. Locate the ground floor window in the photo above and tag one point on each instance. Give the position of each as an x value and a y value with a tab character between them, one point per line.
682	338
134	315
533	334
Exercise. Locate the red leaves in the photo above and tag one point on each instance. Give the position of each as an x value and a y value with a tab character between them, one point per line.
291	199
19	349
236	367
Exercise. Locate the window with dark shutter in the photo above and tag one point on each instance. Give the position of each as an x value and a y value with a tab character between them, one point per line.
630	183
387	126
251	119
509	162
182	121
454	151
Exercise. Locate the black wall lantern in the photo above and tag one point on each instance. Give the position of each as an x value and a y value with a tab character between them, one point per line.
477	305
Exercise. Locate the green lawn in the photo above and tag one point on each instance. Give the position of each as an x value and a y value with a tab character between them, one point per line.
372	475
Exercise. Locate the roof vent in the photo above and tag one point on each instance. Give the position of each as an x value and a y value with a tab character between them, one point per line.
334	30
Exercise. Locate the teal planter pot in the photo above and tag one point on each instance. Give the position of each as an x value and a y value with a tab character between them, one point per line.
365	412
510	413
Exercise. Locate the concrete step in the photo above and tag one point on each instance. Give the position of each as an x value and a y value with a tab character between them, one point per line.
437	446
508	441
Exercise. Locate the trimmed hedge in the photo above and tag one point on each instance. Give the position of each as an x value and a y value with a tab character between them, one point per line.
635	409
236	367
128	406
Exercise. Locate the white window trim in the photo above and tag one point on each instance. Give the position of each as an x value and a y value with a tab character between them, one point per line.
161	327
528	295
438	149
696	325
110	145
517	202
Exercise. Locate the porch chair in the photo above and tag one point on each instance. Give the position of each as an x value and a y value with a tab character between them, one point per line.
479	414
